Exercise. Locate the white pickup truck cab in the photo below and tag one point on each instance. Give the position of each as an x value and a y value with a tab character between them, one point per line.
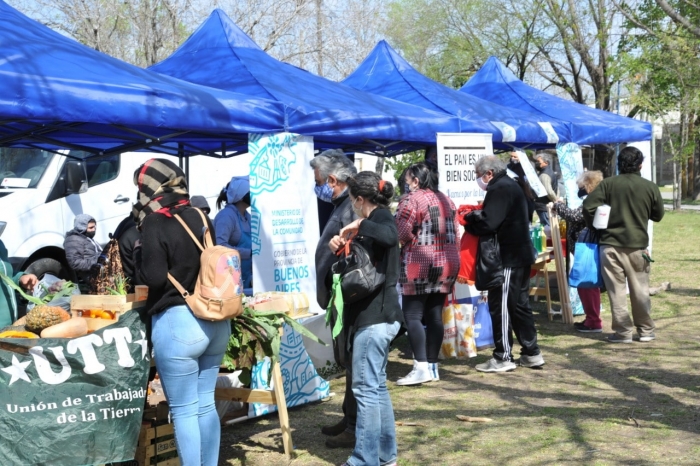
41	192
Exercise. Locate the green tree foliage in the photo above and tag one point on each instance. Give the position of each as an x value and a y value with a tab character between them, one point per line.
661	62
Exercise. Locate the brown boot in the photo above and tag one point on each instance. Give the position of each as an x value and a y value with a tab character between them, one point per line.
344	440
335	429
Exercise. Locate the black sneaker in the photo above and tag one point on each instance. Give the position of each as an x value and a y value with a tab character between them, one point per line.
583	328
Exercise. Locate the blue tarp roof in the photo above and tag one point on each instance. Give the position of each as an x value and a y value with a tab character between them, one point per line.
221	55
56	92
386	73
496	83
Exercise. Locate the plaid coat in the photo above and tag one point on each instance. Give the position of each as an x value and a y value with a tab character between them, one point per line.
429	235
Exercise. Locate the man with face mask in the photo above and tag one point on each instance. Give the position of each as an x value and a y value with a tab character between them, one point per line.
504	214
331	172
82	251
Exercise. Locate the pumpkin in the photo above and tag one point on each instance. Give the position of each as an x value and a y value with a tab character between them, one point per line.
71	328
16	332
41	317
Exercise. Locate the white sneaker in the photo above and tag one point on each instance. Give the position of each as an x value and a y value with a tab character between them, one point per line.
433	366
420	374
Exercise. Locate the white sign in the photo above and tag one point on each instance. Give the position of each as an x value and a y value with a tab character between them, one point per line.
532	179
284	224
571	164
457	154
645	147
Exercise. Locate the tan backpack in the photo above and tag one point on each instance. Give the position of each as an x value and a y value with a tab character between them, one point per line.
218	293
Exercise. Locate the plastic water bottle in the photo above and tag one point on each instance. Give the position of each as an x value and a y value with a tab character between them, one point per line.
543	239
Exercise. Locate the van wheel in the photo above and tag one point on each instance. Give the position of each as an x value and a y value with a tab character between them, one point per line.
41	267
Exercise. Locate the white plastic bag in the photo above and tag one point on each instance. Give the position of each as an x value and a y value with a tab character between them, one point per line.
42	289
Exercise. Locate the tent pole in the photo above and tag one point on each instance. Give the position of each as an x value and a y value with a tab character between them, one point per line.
184	162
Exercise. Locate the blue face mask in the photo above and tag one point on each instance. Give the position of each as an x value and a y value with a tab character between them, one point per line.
324	192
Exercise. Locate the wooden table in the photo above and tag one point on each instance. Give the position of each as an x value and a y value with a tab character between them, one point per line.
540	266
274	396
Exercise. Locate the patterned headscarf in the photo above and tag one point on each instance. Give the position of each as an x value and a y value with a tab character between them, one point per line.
161	189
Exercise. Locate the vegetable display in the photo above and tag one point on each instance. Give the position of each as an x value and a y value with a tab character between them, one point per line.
255	335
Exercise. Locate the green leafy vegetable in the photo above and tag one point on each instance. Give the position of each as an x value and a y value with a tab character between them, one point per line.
255	335
66	290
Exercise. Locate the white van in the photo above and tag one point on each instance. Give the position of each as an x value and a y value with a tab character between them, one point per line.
41	192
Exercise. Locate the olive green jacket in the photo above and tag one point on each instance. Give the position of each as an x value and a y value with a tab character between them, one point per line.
633	201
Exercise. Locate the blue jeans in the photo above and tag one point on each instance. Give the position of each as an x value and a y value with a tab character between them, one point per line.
375	432
188	352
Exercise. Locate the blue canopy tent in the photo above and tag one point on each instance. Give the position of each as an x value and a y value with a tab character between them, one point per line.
496	83
220	55
58	93
385	73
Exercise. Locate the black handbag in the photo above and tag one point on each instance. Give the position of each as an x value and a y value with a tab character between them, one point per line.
489	268
360	276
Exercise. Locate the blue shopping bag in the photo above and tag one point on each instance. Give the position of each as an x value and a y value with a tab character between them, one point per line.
586	272
483	328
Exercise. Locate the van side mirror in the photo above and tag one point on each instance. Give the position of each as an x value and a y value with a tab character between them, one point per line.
72	180
74	175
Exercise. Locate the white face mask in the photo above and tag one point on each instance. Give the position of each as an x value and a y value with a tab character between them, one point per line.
357	211
482	184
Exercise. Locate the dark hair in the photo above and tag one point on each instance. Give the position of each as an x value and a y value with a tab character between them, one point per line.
222	199
427	178
401	183
367	184
629	160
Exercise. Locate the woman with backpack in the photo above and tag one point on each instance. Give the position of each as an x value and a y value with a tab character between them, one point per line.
187	350
371	323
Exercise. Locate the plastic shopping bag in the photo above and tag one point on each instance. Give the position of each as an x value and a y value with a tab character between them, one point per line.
458	338
586	272
483	328
50	284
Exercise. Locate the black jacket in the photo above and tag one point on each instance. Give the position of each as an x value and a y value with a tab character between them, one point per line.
166	247
342	215
380	238
81	253
505	213
126	235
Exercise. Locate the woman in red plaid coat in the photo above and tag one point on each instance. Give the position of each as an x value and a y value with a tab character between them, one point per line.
429	235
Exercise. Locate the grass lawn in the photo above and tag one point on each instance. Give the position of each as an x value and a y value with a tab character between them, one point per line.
593	403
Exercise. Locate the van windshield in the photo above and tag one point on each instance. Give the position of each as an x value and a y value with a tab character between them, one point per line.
22	168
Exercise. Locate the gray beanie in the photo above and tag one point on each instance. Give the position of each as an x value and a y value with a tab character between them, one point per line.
199	202
81	222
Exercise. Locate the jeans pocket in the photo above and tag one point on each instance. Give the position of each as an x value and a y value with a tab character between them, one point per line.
184	327
392	330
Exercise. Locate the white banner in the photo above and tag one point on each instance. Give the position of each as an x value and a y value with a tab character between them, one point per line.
284	224
532	179
645	147
457	154
571	163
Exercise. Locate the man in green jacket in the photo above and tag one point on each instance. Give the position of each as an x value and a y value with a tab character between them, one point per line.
624	258
8	301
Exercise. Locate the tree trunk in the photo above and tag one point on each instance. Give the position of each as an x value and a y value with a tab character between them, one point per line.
603	159
696	170
379	168
676	186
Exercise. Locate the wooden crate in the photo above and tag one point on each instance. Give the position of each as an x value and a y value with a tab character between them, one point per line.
117	304
157	446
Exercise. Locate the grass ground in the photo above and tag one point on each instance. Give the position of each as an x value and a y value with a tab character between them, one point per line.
593	403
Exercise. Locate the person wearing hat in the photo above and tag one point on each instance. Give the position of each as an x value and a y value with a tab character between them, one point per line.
82	251
201	203
232	225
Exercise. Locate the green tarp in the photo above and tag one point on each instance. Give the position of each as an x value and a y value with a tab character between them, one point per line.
71	402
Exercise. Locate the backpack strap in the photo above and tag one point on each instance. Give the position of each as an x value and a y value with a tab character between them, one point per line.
207	243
